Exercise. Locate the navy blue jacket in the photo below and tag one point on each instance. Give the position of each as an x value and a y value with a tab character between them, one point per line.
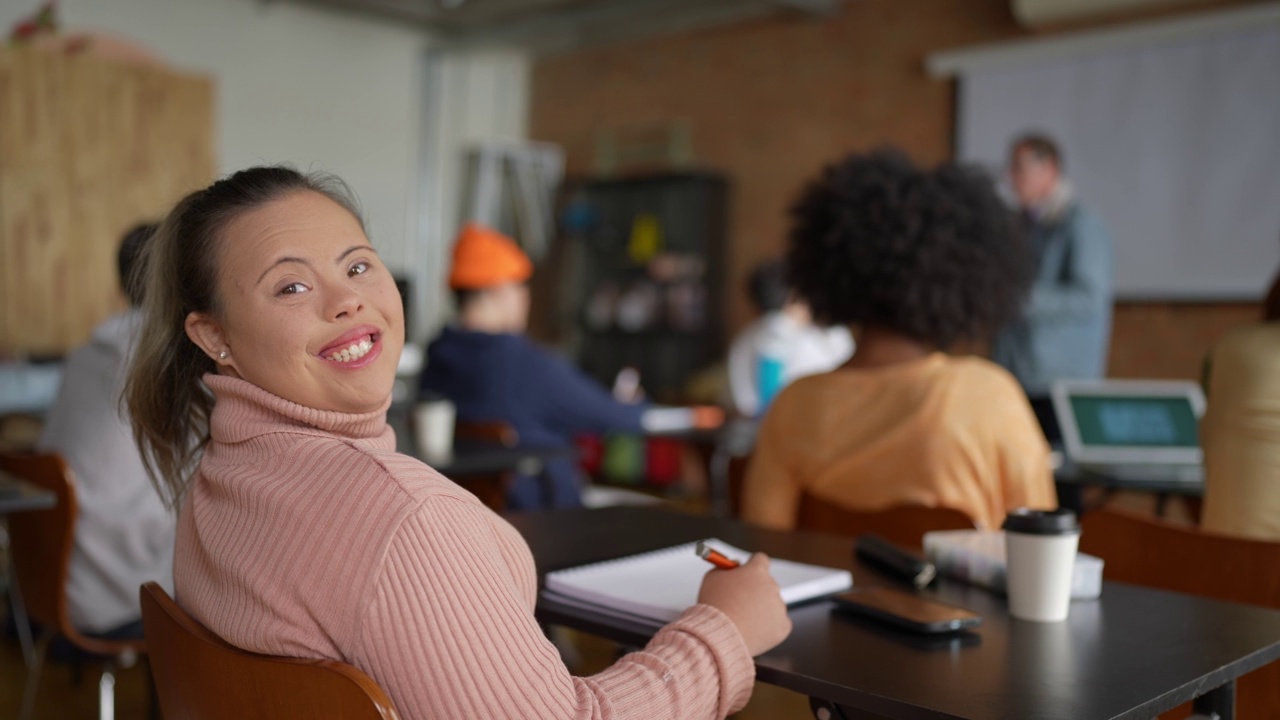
545	398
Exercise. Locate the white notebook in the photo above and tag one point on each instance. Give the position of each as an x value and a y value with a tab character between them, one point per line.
659	585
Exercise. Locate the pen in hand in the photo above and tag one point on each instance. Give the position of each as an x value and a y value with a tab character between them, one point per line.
713	556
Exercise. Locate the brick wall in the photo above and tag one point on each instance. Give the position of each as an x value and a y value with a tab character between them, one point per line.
770	101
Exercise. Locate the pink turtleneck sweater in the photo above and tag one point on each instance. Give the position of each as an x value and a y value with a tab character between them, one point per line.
305	534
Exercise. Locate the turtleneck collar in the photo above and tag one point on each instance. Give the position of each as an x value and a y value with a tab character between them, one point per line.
243	411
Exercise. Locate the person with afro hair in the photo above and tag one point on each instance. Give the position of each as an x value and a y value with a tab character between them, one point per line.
917	263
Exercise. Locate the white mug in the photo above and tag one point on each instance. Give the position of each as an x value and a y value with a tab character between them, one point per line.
433	428
1041	547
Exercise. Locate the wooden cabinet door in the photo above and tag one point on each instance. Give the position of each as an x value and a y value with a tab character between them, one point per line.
88	149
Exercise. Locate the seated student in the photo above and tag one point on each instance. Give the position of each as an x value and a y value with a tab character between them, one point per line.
487	366
123	532
1240	432
259	393
917	261
783	334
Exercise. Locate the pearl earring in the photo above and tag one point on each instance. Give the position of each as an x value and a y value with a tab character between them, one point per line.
222	355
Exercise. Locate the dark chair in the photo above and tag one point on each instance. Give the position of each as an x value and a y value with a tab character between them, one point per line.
491	488
1154	553
495	432
903	524
199	676
42	542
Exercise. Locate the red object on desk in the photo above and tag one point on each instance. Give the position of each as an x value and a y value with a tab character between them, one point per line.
590	453
662	461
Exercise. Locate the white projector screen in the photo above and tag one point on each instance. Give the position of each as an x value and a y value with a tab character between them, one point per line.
1175	142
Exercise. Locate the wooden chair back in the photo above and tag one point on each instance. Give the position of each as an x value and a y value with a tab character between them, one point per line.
497	432
491	488
903	525
199	676
42	543
1154	553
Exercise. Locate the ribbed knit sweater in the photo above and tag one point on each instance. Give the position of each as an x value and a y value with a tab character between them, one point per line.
305	534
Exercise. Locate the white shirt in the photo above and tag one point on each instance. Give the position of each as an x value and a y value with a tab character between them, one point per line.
124	533
803	349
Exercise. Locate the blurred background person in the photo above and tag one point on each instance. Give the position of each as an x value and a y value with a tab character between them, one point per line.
1240	431
780	346
1065	328
491	371
917	262
123	532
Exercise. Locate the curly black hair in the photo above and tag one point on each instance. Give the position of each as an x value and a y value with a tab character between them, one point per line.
933	255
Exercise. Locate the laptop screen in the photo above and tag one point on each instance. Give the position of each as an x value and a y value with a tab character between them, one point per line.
1136	421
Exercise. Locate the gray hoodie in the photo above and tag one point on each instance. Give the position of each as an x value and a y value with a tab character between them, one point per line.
124	533
1066	328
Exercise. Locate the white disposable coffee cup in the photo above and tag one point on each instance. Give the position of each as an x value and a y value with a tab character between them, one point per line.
1041	547
433	428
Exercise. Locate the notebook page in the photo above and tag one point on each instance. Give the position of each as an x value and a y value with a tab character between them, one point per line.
660	585
800	581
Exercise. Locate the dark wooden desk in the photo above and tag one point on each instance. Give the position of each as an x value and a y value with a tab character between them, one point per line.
1072	482
19	496
472	459
1132	654
487	469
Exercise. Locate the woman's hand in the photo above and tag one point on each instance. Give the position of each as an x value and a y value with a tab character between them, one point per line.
753	601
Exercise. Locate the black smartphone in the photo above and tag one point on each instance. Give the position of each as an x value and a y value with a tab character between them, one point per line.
906	610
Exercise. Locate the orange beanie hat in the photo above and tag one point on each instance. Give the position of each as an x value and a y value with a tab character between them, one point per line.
484	257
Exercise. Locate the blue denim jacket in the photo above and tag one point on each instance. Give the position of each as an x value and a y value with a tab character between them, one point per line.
1065	330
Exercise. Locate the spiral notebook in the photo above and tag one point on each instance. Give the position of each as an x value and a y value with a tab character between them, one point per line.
657	586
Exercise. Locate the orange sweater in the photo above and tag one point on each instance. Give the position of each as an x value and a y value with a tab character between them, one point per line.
940	431
1240	433
305	534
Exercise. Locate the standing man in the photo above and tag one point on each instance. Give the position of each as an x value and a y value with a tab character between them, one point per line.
1066	326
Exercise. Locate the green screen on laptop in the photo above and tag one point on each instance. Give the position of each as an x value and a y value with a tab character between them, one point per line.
1119	421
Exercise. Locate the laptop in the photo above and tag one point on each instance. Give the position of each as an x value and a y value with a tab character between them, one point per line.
1132	430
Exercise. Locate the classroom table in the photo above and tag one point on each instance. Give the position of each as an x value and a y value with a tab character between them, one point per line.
486	469
1072	481
20	496
475	458
470	459
1133	653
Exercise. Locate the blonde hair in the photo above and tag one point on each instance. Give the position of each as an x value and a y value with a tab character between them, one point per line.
169	406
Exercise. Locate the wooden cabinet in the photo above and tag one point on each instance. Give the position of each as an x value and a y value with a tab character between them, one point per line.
88	149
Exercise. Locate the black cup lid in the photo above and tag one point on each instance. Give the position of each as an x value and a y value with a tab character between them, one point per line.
1042	522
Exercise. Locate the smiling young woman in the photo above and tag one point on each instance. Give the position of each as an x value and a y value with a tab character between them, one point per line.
258	396
308	310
